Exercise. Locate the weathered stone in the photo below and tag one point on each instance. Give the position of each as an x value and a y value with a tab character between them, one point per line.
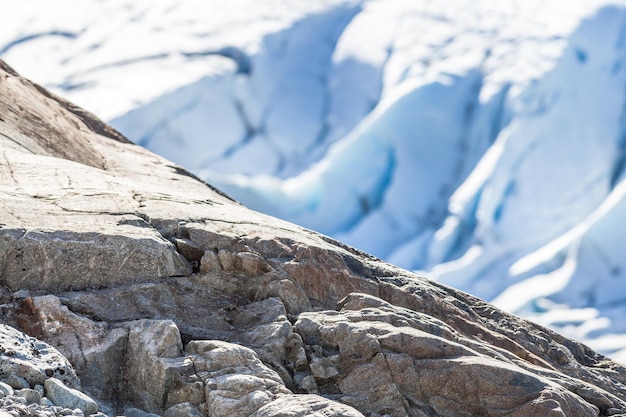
67	397
239	382
293	298
264	327
6	389
135	412
182	410
187	248
31	395
26	361
305	405
94	350
154	362
251	264
389	369
149	256
45	402
17	382
191	392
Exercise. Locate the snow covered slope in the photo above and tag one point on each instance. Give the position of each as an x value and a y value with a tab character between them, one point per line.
482	142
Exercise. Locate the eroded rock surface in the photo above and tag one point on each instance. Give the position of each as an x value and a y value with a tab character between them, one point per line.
36	380
169	298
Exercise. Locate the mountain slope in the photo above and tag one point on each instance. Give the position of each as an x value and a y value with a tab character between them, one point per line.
480	142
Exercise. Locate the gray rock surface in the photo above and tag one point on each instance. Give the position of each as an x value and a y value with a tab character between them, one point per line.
29	363
67	397
236	382
6	389
168	297
306	405
182	410
32	396
26	361
135	412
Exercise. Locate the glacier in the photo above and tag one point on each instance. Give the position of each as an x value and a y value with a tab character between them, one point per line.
482	143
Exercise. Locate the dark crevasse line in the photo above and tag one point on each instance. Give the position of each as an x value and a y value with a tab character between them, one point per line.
619	167
235	147
144	140
469	222
482	124
369	202
240	57
321	143
543	98
282	47
273	64
327	135
33	36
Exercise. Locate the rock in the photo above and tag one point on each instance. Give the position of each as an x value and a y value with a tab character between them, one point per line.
292	297
135	412
6	389
32	396
191	251
26	361
17	382
46	402
237	382
169	297
63	396
387	362
305	405
87	344
154	362
264	327
182	410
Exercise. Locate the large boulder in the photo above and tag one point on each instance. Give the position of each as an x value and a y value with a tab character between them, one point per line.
168	297
31	360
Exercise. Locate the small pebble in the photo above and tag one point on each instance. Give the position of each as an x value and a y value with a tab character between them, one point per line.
6	389
17	382
32	396
14	400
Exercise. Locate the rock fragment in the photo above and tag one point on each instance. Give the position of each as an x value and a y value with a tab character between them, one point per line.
66	397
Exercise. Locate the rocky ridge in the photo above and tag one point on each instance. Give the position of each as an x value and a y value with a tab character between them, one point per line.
164	296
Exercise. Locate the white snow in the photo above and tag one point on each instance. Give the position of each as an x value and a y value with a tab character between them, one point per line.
480	142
